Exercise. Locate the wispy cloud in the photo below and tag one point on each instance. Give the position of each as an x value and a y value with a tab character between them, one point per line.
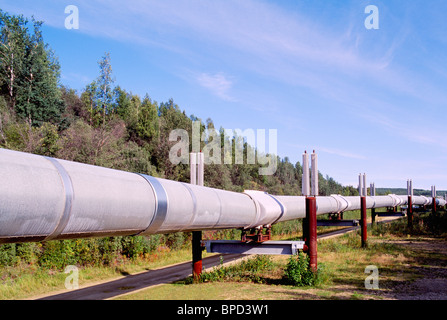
341	153
218	84
77	77
414	127
268	40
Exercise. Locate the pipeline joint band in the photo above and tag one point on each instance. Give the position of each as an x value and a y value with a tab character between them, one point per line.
280	205
68	187
161	200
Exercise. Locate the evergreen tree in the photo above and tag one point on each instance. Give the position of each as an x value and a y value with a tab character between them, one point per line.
147	126
29	71
104	94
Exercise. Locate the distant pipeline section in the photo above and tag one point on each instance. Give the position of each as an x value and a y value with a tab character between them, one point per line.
44	198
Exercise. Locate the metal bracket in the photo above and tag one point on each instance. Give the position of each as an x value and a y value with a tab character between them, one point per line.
256	234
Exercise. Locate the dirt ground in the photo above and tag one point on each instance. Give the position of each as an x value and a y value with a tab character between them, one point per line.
424	278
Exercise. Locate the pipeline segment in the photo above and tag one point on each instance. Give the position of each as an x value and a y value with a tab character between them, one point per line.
44	198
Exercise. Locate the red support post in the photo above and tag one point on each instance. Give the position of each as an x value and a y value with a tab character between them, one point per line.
310	235
196	254
363	222
433	205
410	213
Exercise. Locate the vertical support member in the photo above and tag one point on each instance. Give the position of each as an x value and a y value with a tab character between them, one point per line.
372	192
196	164
363	222
310	222
433	203
305	190
311	241
410	204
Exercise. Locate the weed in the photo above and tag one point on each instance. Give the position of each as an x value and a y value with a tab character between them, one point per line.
298	273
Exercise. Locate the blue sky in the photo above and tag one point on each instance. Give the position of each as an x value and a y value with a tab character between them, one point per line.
370	101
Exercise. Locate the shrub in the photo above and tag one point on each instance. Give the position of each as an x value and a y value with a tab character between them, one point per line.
8	254
136	247
175	241
87	252
57	254
298	273
28	252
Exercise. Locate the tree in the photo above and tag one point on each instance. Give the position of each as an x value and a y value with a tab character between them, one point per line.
147	127
122	102
88	99
29	71
74	107
170	118
12	51
104	93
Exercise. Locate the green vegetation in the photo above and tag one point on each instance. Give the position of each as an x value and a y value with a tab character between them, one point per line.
298	273
247	270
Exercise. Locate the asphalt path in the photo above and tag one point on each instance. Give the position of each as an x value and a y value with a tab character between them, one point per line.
142	280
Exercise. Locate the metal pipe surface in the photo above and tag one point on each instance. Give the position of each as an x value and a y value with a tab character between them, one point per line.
314	174
305	189
44	198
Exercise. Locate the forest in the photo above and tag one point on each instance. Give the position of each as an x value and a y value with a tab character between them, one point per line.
106	125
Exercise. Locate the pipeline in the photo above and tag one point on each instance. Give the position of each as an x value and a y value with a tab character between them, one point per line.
44	198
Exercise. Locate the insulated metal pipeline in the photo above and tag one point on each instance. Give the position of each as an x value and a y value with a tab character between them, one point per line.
43	198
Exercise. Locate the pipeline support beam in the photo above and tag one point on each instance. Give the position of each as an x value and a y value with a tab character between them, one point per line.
433	206
363	222
410	213
311	234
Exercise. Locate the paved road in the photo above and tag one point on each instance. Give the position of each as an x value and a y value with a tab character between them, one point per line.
139	281
150	278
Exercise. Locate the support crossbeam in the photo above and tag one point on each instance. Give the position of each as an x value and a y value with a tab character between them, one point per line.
337	223
266	247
